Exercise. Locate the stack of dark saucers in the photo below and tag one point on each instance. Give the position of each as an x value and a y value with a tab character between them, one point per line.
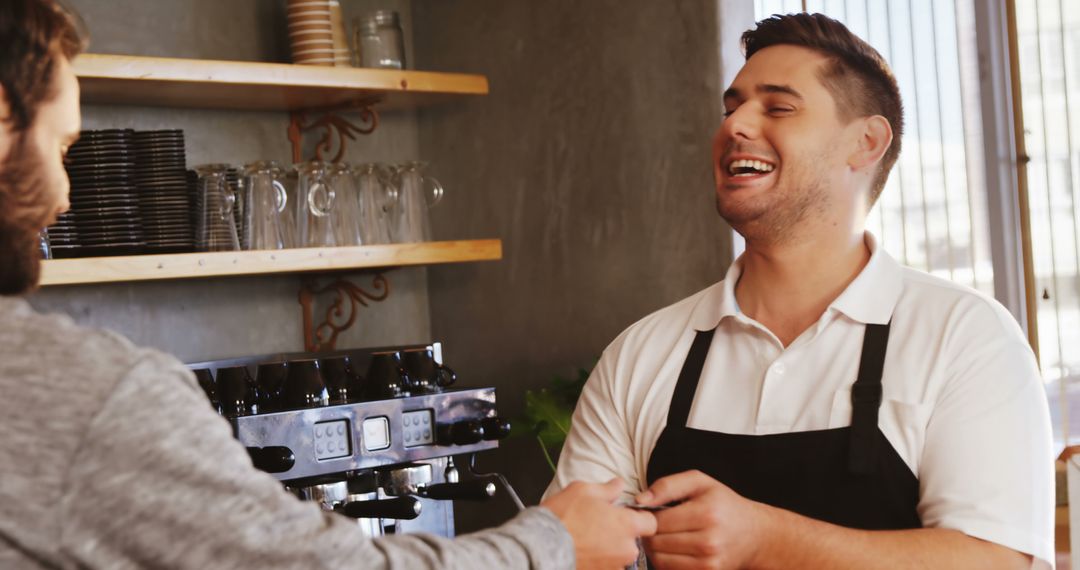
63	234
104	217
161	176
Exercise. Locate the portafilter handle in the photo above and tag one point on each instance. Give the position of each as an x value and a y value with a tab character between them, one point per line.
402	508
475	490
274	459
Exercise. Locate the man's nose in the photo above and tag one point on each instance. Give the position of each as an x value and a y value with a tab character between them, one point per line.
740	124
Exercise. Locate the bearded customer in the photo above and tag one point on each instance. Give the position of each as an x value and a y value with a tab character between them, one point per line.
822	406
112	457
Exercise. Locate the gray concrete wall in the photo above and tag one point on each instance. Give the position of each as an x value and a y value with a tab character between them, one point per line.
216	318
591	160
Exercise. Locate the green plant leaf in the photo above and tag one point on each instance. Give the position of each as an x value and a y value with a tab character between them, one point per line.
548	412
547	415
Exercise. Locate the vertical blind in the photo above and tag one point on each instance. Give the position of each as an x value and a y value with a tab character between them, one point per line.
933	213
1048	35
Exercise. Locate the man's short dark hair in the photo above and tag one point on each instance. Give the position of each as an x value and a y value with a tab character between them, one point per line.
34	34
857	76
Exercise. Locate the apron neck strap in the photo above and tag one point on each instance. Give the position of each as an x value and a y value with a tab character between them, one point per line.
866	397
686	387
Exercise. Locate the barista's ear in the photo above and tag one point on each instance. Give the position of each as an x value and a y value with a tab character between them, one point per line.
875	136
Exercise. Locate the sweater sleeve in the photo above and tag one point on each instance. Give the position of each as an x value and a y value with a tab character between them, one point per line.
160	482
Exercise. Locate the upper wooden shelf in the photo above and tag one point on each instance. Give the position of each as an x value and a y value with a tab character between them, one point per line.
255	86
231	263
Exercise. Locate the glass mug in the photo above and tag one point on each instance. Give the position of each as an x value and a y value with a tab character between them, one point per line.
347	219
375	193
265	200
315	198
43	244
412	223
291	181
215	227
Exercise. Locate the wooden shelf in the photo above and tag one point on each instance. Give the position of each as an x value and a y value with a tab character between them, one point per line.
231	263
254	86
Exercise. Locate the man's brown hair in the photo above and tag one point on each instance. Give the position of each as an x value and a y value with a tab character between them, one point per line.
856	75
34	34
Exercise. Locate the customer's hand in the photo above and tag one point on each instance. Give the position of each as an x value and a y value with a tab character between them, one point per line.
604	534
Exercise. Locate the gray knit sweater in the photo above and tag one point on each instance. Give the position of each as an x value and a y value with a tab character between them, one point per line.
113	459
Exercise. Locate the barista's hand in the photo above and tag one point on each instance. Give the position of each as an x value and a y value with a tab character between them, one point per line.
604	535
712	527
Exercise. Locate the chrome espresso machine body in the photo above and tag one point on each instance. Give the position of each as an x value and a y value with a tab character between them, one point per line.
383	455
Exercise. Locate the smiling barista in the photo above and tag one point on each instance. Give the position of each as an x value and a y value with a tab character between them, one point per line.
822	406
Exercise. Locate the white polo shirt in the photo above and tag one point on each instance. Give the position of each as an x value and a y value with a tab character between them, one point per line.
964	404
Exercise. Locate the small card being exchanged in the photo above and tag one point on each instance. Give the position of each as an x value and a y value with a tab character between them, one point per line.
651	508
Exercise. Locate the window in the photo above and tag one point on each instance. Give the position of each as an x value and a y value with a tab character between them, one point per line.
1048	37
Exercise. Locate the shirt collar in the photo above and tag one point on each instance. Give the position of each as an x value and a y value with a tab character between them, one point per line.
870	298
719	302
873	295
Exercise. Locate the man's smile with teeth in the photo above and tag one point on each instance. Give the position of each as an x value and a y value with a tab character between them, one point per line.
749	167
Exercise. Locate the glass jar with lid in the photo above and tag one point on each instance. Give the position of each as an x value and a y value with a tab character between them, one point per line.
379	40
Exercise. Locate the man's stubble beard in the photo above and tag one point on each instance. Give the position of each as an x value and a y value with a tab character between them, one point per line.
23	213
777	217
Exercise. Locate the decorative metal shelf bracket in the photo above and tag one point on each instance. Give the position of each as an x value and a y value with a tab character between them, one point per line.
330	123
342	312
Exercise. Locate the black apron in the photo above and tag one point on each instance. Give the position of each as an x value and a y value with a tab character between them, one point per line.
848	476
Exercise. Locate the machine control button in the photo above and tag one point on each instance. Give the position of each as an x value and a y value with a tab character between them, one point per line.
415	433
465	432
331	440
495	427
376	433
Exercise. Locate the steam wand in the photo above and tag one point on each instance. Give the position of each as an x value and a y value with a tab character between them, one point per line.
502	480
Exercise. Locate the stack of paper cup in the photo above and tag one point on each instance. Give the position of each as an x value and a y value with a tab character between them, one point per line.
311	32
341	43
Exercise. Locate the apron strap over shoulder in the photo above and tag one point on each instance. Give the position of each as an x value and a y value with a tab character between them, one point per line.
686	386
866	395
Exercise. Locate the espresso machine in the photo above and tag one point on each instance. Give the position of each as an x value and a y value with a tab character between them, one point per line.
378	448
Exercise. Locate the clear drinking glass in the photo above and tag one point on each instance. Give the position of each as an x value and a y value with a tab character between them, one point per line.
215	228
266	200
411	221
